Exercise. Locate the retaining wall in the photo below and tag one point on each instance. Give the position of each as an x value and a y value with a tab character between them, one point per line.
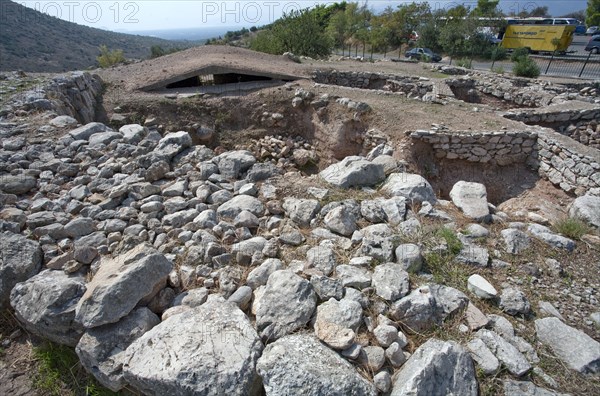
570	165
76	94
417	86
496	148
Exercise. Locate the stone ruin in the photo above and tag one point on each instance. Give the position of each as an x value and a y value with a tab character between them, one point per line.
172	268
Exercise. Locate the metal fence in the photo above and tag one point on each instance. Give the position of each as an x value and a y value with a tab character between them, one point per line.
572	66
582	65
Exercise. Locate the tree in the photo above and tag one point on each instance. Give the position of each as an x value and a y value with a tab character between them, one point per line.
298	32
157	51
108	58
464	35
429	33
579	15
486	8
408	19
539	12
593	13
338	28
265	41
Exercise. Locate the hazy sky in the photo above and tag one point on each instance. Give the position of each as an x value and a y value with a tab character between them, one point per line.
123	15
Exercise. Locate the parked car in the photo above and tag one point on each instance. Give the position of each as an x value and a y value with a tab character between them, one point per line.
592	30
580	30
423	54
593	45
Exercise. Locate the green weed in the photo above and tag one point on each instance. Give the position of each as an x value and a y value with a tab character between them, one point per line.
572	228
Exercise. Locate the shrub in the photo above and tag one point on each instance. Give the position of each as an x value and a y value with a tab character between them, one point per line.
519	53
498	69
496	53
464	62
109	58
156	51
526	67
571	228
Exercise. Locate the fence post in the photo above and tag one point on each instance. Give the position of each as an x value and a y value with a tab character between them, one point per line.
585	63
363	50
550	62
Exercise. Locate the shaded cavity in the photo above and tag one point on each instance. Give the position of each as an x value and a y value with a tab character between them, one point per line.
216	79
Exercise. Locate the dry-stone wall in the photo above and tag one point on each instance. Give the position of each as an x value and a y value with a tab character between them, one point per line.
575	119
497	148
417	86
572	166
76	94
568	164
555	114
585	132
521	92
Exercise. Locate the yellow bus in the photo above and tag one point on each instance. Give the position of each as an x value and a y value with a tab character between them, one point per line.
538	38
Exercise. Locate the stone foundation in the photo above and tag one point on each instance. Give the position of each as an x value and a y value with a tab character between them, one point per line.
569	165
415	86
496	148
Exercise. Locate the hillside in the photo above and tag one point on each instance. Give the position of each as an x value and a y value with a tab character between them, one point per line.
36	42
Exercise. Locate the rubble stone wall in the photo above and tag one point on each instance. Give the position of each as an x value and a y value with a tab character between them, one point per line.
550	117
568	164
572	166
496	148
367	80
76	94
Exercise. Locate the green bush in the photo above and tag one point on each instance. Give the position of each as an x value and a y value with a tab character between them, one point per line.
156	51
572	228
464	62
498	69
109	58
526	67
495	53
519	53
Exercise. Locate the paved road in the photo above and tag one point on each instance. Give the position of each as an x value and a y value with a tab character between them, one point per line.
572	65
578	45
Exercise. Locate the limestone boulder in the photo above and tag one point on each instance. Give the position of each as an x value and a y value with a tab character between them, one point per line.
120	284
437	367
578	350
411	186
391	281
286	305
299	364
353	171
428	306
20	259
471	199
586	208
46	303
208	350
101	349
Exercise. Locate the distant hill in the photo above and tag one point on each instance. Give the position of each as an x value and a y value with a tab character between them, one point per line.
36	42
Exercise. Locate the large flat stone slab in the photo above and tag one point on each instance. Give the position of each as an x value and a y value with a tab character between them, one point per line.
578	350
